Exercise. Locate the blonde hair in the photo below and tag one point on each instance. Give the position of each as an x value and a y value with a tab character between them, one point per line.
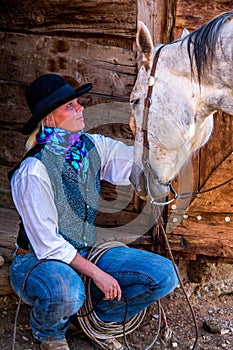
31	141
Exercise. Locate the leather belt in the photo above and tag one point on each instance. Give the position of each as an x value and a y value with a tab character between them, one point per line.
20	251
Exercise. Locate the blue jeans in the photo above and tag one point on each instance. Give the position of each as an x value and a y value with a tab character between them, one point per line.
56	291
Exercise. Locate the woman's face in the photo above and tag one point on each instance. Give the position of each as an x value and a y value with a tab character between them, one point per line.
68	117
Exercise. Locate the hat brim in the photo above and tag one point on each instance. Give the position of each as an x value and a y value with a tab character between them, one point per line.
32	123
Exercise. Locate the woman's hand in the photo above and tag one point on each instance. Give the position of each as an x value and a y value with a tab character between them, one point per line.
105	282
108	285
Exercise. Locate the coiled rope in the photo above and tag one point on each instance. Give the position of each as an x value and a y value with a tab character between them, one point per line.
92	325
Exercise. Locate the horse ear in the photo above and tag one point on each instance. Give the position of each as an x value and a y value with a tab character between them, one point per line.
184	33
144	43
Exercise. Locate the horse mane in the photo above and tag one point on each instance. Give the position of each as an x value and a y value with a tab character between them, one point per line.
202	44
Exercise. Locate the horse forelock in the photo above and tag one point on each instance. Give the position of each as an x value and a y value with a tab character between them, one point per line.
202	45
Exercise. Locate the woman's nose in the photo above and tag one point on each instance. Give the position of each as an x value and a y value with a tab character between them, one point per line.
78	107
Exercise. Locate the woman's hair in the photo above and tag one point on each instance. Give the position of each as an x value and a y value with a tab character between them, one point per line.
31	141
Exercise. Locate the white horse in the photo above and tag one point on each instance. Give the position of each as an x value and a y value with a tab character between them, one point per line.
193	79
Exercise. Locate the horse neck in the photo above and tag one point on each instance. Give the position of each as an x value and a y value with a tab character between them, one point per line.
214	92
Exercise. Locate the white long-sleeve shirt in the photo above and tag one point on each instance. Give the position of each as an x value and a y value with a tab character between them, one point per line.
34	198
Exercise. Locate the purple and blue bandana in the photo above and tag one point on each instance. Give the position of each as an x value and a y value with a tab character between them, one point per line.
63	142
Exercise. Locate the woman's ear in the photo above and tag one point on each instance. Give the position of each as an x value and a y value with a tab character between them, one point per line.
49	121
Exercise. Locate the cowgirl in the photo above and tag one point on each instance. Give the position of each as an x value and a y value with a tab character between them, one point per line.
56	189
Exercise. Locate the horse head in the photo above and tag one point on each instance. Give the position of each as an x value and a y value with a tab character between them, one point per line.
193	78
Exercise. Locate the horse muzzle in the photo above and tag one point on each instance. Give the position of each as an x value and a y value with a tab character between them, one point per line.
147	184
137	179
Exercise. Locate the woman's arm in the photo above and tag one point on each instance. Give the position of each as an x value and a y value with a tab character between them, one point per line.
105	282
34	200
116	159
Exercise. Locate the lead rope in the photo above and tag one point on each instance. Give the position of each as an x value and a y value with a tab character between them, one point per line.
160	223
186	195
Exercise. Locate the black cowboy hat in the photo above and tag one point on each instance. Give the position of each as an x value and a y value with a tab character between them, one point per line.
47	93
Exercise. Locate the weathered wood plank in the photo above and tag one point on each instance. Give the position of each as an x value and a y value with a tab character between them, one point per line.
5	198
221	248
111	69
118	209
12	103
115	18
115	197
5	287
5	195
159	16
208	228
217	148
219	200
195	225
126	237
192	14
108	218
8	232
12	147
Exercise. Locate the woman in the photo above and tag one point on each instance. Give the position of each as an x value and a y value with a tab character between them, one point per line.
55	190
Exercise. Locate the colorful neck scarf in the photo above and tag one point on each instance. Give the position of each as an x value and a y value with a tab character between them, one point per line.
63	142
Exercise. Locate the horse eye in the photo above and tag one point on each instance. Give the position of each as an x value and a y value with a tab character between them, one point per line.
135	102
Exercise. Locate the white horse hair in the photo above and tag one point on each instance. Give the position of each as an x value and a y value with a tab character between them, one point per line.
193	79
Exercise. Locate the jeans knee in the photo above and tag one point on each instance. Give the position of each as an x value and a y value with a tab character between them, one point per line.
73	299
170	279
78	303
62	293
173	275
164	281
60	303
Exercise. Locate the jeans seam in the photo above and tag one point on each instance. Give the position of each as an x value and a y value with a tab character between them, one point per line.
148	291
135	273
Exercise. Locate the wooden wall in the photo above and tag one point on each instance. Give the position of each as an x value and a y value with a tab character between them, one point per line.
94	41
84	42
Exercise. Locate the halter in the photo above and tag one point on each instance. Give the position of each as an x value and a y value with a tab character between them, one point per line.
145	153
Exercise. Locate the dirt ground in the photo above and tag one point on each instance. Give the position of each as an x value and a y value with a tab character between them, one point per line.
212	302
